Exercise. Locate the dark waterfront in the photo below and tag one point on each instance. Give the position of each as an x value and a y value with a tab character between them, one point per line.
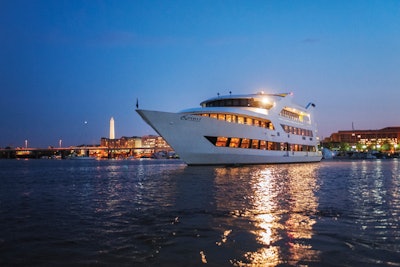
163	213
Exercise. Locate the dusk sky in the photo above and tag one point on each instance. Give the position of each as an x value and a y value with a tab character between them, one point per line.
64	63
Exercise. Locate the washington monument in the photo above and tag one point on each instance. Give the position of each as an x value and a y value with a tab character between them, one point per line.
112	130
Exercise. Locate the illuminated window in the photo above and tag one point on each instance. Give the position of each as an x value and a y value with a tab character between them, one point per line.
283	146
221	117
254	144
271	126
234	142
245	143
214	116
249	121
240	120
221	141
271	146
263	145
228	118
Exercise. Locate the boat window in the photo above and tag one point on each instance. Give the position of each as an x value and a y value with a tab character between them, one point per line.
238	102
221	141
234	142
254	144
296	130
239	119
263	144
271	126
282	146
245	143
290	114
271	146
249	121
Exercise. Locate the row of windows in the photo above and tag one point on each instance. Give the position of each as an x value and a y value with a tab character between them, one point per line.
240	119
235	102
296	130
291	115
294	116
235	142
368	136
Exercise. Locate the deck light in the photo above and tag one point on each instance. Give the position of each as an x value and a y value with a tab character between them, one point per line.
265	101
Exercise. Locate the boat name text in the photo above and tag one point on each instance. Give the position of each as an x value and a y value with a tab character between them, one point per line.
190	118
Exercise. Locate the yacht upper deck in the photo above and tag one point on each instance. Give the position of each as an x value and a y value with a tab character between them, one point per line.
259	100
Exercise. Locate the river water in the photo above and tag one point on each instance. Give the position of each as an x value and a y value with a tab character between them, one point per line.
164	213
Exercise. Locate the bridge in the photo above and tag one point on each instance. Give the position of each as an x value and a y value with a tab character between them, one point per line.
94	151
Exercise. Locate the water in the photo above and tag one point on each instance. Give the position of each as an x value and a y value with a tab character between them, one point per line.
163	213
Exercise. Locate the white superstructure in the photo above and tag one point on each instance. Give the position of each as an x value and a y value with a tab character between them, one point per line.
240	129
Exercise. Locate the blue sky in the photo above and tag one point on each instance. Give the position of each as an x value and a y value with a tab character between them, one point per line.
66	62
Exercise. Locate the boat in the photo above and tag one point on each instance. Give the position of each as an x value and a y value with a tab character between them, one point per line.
258	128
83	156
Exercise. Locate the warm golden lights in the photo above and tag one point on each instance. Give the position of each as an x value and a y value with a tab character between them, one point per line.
240	119
280	206
234	142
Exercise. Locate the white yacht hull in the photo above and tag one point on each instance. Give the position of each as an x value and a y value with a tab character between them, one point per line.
186	134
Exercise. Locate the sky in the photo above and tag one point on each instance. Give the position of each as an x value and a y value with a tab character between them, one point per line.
67	67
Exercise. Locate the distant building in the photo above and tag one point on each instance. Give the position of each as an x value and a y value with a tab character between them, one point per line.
123	142
146	142
373	139
145	146
155	141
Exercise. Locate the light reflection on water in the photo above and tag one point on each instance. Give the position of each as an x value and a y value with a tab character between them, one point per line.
280	203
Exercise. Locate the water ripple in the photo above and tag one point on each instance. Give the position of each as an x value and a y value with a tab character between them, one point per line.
163	213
